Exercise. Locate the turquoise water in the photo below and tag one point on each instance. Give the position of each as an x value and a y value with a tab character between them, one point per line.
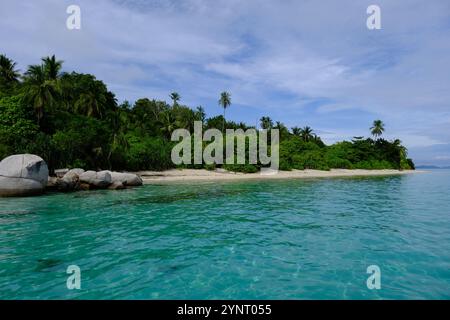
296	239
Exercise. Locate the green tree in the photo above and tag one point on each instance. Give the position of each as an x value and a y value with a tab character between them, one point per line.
175	98
266	123
224	102
306	133
377	128
296	131
40	93
8	73
200	114
168	124
52	67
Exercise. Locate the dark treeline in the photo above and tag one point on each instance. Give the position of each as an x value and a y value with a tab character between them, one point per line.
73	120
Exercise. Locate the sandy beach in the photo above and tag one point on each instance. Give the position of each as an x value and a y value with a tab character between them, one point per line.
187	175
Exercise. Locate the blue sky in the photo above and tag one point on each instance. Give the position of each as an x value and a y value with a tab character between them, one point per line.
300	62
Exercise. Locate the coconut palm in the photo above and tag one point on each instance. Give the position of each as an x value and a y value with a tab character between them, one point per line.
168	124
91	104
224	102
200	114
266	123
41	93
296	131
377	128
175	98
306	133
52	67
8	72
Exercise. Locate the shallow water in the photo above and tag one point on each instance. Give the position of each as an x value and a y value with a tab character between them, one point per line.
290	239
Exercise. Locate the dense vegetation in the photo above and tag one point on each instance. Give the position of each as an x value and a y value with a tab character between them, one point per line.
73	120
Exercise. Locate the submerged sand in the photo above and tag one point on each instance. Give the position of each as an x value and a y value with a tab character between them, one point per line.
180	175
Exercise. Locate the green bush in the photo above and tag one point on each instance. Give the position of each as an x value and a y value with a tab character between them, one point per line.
146	153
245	168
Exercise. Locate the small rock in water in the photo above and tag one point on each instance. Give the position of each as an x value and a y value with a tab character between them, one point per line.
47	263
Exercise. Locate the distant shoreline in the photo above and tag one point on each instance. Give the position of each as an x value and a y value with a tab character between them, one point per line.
190	175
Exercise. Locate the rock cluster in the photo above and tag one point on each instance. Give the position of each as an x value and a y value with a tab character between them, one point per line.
78	179
27	175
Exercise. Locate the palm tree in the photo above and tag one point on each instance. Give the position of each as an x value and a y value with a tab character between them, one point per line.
306	133
168	123
8	72
175	98
41	93
52	67
200	114
296	131
91	104
119	123
377	128
266	123
225	102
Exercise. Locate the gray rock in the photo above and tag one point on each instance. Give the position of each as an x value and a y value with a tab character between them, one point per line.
52	183
127	179
100	179
61	172
77	171
22	175
70	181
117	185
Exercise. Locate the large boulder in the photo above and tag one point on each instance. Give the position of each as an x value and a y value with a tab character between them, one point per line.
127	179
23	175
101	179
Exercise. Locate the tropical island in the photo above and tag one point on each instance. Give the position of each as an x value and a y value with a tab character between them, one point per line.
72	120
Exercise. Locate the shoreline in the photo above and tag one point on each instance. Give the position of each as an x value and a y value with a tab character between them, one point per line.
198	175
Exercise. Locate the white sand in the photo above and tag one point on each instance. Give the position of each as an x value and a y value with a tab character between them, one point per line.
180	175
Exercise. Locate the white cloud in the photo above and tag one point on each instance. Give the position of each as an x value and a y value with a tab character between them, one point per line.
277	57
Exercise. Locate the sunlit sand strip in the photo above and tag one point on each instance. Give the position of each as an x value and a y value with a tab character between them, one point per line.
180	175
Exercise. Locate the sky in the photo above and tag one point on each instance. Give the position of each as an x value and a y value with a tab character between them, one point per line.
301	62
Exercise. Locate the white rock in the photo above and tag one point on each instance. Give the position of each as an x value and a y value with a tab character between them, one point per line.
76	171
23	174
127	179
61	172
100	179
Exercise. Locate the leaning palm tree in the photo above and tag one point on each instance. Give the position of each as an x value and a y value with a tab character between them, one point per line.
224	102
8	72
306	133
52	67
377	128
175	98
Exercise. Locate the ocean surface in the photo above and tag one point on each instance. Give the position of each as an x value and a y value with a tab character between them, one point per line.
287	239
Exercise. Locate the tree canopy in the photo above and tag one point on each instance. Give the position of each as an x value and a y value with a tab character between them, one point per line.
73	120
